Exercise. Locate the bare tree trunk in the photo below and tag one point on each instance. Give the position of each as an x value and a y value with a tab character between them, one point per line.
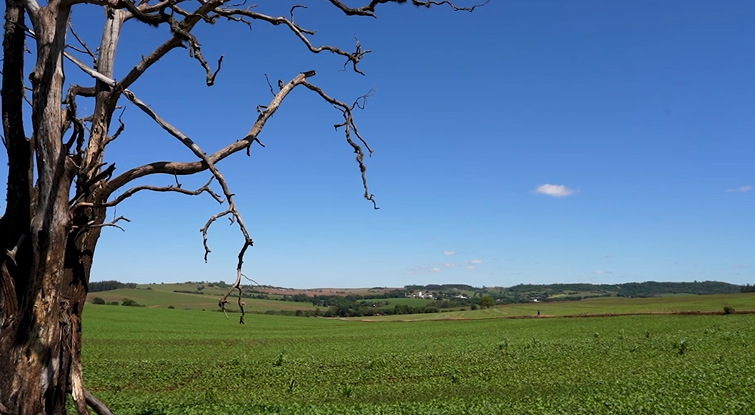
32	348
14	225
48	249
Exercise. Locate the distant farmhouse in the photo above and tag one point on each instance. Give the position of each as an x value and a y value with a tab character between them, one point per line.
420	294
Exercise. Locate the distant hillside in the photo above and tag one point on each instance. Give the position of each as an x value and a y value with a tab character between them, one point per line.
380	301
443	296
652	288
577	291
633	289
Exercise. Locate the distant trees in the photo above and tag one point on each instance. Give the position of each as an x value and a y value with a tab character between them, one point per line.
129	303
652	288
527	292
109	285
98	300
486	301
747	288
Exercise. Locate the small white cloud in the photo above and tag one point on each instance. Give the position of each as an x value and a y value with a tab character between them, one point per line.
469	267
435	269
448	253
450	265
476	261
740	189
555	190
602	272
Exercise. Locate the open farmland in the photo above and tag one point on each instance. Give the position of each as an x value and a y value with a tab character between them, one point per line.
593	306
162	361
158	295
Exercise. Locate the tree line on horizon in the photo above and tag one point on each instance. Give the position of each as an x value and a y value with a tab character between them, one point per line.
540	291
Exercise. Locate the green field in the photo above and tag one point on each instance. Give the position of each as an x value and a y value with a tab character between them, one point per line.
162	295
144	360
592	306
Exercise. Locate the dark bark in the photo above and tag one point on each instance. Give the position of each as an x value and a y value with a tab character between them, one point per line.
15	220
30	345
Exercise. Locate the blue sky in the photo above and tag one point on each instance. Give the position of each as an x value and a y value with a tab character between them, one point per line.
528	142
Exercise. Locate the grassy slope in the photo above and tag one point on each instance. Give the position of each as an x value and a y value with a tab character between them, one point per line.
143	360
162	295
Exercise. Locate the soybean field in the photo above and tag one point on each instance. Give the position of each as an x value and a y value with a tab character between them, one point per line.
176	361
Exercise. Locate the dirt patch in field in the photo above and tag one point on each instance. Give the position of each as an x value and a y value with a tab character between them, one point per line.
311	292
650	313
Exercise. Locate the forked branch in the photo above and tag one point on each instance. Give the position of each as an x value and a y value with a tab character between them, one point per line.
349	126
162	189
369	9
300	32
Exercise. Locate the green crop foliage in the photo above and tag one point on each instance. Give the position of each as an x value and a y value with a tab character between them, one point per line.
160	361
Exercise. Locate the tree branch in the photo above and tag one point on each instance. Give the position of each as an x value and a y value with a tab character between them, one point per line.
185	26
32	7
369	9
177	189
15	219
351	57
111	223
180	34
84	45
349	125
223	301
186	168
96	405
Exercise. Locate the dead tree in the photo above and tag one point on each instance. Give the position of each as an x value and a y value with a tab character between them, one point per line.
60	184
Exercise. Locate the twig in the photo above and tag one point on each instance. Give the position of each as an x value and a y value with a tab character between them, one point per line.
349	125
84	45
11	253
300	32
121	127
271	91
177	189
296	6
369	9
112	223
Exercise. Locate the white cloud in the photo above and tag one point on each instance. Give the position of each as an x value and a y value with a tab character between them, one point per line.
740	189
447	253
602	272
450	265
476	261
435	269
555	190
